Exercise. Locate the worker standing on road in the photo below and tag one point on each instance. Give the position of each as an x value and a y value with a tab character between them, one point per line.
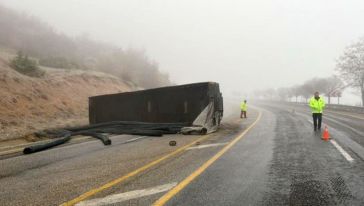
317	105
243	108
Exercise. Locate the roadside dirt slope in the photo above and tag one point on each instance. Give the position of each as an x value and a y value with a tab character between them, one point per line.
58	99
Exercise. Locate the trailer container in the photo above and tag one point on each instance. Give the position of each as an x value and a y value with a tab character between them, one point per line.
198	104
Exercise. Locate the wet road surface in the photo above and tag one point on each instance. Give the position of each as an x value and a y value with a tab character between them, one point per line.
279	161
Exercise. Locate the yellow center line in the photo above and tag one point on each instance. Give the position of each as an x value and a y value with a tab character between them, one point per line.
166	197
131	174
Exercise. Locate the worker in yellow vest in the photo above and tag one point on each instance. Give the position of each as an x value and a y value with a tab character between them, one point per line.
243	108
317	105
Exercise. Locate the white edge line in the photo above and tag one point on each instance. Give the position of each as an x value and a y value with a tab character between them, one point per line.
116	198
342	151
338	147
134	139
207	145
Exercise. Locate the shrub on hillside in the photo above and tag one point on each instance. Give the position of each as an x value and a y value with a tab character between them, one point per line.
59	62
23	64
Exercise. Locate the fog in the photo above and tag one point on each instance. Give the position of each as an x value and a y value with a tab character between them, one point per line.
244	45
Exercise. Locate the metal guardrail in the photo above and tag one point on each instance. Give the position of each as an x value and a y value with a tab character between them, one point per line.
336	107
346	108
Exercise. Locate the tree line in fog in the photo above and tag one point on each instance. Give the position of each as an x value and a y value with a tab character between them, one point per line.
349	73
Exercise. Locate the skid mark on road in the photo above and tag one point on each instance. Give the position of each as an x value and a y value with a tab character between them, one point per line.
342	151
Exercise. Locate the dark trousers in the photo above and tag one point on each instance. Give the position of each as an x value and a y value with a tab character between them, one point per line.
243	113
317	118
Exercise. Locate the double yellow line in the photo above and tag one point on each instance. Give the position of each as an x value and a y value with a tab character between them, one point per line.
176	189
131	174
165	198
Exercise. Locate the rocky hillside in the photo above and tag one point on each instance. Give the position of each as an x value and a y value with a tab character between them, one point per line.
57	99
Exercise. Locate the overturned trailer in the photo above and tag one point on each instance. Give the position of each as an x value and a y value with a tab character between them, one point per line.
199	105
189	109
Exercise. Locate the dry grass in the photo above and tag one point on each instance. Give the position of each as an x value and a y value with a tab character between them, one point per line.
57	99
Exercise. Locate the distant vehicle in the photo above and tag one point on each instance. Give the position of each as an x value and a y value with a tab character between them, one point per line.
198	103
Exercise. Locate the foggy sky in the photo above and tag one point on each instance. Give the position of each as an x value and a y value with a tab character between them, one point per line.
244	44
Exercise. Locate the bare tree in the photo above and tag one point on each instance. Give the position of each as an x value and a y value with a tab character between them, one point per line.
295	92
351	66
309	87
331	87
338	94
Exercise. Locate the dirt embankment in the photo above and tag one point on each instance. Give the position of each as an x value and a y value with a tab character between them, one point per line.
58	99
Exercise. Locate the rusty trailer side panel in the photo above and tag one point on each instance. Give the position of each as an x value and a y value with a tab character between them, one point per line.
181	103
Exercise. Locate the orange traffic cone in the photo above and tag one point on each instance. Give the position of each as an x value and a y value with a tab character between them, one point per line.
326	135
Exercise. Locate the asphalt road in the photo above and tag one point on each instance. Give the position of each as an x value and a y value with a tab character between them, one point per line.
271	158
282	162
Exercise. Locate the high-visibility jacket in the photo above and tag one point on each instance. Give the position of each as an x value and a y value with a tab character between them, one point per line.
317	105
243	106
